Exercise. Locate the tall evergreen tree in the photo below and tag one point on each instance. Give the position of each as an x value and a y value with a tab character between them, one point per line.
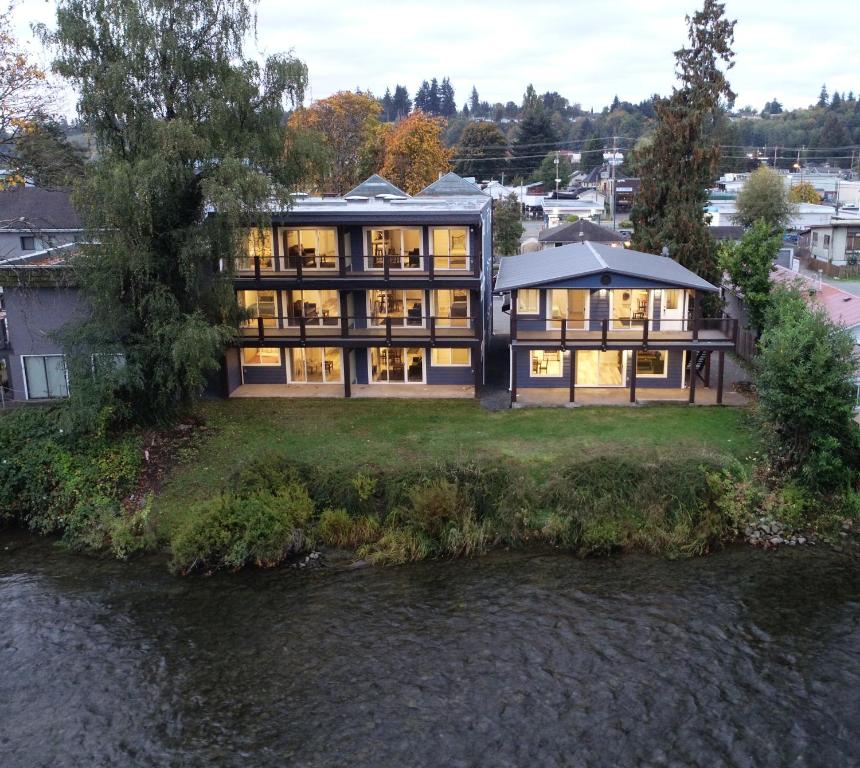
182	121
434	99
387	106
474	101
836	101
422	96
401	104
592	154
679	164
535	135
447	105
823	98
481	151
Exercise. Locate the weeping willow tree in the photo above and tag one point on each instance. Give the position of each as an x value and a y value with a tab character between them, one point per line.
185	126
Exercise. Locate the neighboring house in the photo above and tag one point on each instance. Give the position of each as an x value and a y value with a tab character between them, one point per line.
33	219
367	294
592	316
556	211
578	232
720	212
726	233
626	190
40	298
837	242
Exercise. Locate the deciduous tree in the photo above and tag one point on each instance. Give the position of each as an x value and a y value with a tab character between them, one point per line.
414	153
184	123
763	196
803	193
345	124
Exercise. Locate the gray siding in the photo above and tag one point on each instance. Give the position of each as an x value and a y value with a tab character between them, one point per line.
33	315
10	242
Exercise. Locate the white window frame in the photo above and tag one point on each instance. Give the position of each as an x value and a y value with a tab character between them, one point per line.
452	364
664	375
436	257
550	321
405	368
262	365
405	318
27	386
403	256
447	322
613	321
326	380
546	375
290	321
284	257
251	322
521	313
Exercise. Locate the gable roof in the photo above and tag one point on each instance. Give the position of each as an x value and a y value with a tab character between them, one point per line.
373	186
580	259
578	232
451	185
726	232
842	307
36	208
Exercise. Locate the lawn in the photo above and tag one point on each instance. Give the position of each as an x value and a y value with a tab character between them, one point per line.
388	433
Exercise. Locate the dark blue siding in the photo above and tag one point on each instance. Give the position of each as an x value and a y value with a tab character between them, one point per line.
617	281
525	378
451	374
675	372
361	366
356	241
266	374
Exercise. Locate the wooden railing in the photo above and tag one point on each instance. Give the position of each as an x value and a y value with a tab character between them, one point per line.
371	266
432	327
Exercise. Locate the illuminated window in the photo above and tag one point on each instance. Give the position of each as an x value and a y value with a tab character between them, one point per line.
259	304
671	297
651	362
528	301
401	248
546	362
259	244
261	356
451	356
310	248
450	247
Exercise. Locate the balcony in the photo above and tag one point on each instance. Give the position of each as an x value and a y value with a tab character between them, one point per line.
624	333
422	328
371	267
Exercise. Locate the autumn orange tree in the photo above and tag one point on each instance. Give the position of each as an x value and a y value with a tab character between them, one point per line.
414	153
803	193
23	99
346	128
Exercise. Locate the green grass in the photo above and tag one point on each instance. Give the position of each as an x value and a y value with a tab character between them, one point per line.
397	433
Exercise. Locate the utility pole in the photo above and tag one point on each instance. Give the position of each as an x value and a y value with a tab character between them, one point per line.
557	179
774	156
612	170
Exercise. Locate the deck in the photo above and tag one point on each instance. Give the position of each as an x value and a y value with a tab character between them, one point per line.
414	391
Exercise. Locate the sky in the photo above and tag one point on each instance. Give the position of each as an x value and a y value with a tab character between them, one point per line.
587	51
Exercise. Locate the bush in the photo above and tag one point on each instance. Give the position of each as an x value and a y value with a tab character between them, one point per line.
337	529
263	529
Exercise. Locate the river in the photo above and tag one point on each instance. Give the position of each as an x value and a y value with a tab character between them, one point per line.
745	658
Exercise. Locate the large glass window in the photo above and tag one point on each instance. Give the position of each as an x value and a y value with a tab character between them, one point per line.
528	301
451	356
630	307
570	305
652	362
403	307
400	246
259	304
671	298
45	376
450	247
546	362
261	356
397	365
258	244
316	307
452	308
312	248
315	365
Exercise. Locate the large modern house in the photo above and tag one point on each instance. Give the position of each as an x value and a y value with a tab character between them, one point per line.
373	293
589	318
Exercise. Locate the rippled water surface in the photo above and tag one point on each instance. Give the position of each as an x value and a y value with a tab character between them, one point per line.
743	659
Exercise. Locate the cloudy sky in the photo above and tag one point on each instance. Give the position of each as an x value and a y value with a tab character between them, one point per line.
587	51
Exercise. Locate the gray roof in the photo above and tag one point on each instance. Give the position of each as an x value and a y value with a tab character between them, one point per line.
451	185
373	186
726	232
570	233
37	209
580	259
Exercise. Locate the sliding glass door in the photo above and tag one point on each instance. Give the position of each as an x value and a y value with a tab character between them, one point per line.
397	365
601	369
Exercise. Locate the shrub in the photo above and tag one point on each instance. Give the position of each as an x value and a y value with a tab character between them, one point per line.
397	546
337	529
434	506
262	529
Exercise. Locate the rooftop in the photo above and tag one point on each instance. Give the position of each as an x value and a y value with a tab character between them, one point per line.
374	186
579	231
580	259
841	306
37	209
452	185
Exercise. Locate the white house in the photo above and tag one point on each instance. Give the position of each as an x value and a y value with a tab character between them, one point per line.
837	242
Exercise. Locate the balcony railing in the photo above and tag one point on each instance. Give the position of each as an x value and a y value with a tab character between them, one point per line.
430	327
370	266
640	332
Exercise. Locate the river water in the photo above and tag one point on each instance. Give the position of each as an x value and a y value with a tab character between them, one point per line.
741	659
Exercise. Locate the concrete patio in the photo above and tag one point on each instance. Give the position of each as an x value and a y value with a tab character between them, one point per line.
547	397
427	391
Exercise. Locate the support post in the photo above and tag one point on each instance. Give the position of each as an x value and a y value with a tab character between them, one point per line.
563	333
721	364
388	330
691	357
344	313
347	375
633	378
303	330
260	331
604	332
645	333
572	375
475	352
257	268
513	375
708	371
697	315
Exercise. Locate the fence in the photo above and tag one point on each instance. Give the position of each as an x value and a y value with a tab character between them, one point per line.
746	347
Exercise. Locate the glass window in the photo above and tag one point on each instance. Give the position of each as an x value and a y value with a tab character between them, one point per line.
399	247
570	305
651	362
259	304
403	307
261	356
454	356
826	241
315	365
546	362
317	307
310	248
28	243
396	365
259	244
452	308
815	238
450	247
528	301
45	376
671	297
